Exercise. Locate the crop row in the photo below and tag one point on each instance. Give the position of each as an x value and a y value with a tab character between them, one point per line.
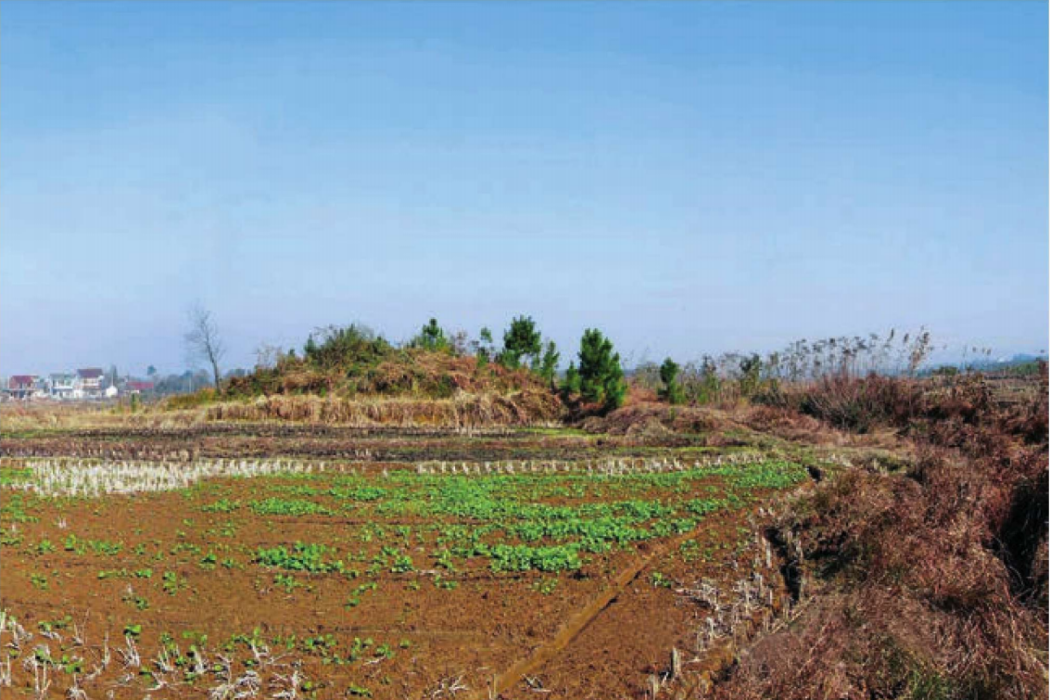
608	465
74	477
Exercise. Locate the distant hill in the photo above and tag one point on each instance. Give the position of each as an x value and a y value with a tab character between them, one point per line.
1019	363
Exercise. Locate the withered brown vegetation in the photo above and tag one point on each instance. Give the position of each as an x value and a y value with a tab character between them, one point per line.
923	582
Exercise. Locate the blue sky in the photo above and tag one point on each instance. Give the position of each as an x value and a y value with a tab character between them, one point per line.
689	177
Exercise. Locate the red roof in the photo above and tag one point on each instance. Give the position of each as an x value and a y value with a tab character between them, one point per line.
139	386
21	381
90	373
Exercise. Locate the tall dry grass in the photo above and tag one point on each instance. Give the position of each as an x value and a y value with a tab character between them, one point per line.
461	411
53	416
930	582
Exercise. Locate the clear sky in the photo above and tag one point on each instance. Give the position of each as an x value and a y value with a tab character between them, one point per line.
690	177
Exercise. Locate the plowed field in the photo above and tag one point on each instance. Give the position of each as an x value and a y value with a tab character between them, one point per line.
276	563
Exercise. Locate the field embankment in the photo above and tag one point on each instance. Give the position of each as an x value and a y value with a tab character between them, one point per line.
463	410
922	580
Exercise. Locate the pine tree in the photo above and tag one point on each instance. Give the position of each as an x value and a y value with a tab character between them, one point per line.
549	363
601	377
310	349
570	386
671	391
483	347
521	340
431	337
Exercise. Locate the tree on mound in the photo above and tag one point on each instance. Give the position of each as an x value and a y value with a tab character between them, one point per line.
570	385
548	365
520	341
431	337
600	374
483	348
352	361
671	391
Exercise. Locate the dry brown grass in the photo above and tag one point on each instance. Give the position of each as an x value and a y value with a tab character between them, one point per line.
411	372
54	416
924	583
461	411
636	416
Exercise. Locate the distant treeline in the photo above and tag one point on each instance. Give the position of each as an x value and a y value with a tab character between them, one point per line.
355	360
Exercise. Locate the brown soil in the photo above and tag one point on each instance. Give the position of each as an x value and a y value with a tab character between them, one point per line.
599	632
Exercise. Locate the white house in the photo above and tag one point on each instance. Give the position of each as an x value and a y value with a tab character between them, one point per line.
88	383
62	386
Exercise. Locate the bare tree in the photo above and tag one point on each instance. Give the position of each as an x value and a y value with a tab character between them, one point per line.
267	356
203	341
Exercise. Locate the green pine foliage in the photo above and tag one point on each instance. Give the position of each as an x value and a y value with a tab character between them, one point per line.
549	362
336	346
520	342
601	376
483	348
671	391
431	337
570	385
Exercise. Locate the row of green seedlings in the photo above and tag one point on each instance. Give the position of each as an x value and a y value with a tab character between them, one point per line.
594	527
605	466
87	478
595	533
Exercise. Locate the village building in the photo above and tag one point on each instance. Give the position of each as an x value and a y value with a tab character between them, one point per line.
134	386
41	388
63	385
21	386
88	383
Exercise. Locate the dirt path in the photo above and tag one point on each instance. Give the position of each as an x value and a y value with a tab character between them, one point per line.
607	648
577	623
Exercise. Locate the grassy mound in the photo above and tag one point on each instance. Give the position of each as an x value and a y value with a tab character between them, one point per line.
409	372
354	377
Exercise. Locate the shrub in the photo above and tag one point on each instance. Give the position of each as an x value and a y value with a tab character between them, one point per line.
859	405
701	384
750	375
336	347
